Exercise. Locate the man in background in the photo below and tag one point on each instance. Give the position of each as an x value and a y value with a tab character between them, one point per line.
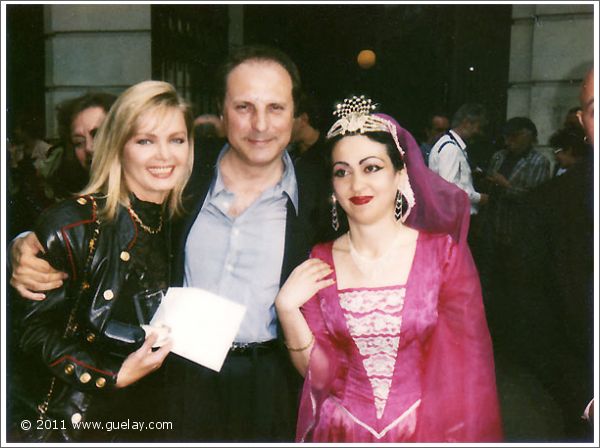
449	156
558	301
437	124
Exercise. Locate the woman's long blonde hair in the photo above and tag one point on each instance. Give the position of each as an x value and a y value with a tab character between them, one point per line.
106	173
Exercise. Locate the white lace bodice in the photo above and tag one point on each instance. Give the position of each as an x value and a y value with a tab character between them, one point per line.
374	319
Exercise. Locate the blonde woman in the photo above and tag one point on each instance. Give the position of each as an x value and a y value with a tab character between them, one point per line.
112	240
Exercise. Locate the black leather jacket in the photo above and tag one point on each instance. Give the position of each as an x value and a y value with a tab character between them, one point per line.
85	362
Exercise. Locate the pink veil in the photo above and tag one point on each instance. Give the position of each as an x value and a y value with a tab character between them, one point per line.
460	400
440	206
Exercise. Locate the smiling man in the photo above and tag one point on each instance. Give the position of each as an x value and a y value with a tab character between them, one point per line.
248	229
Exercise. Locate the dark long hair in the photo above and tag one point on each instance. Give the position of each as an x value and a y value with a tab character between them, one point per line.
68	110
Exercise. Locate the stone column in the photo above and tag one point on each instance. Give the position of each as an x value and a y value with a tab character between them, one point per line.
552	46
94	47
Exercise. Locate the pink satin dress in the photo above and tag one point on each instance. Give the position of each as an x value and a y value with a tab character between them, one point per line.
402	363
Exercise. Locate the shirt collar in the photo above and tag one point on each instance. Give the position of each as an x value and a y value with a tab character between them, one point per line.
457	138
219	186
287	184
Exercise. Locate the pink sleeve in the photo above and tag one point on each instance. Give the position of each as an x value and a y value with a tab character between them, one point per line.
459	401
321	367
324	364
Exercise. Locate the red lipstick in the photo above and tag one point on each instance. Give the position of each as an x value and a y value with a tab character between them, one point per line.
360	200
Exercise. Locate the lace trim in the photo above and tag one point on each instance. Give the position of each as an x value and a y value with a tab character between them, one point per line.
377	344
380	365
374	322
386	300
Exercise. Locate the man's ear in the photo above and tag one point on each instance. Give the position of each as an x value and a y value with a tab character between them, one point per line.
580	117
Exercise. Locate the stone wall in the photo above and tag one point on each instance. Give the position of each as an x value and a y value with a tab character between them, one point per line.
94	47
552	47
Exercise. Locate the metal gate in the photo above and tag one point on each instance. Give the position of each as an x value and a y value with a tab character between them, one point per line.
188	44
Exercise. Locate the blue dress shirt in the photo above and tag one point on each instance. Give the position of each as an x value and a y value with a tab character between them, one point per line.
240	257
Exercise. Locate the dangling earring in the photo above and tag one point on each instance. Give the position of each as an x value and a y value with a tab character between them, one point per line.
335	223
398	207
405	200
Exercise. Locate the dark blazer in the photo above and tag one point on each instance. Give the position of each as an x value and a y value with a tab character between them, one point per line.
558	300
303	229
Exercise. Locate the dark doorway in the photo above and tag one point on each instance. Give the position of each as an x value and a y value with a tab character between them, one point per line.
424	53
25	66
188	44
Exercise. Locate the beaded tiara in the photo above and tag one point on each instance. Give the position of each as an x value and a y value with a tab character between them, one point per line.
356	115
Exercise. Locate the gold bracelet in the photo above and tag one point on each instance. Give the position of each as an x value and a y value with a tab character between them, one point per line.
301	349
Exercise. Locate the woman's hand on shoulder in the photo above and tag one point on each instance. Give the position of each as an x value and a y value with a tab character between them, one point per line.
303	283
143	361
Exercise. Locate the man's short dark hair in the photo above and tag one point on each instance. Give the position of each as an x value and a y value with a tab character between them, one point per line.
517	124
68	110
432	115
257	53
570	139
471	112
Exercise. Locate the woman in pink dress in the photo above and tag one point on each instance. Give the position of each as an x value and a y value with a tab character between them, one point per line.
386	323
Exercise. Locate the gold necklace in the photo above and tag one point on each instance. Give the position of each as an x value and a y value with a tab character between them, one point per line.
148	229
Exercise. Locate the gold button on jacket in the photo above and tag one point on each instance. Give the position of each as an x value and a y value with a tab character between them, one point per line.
85	377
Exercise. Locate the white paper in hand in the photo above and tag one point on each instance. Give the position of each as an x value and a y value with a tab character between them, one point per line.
203	325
